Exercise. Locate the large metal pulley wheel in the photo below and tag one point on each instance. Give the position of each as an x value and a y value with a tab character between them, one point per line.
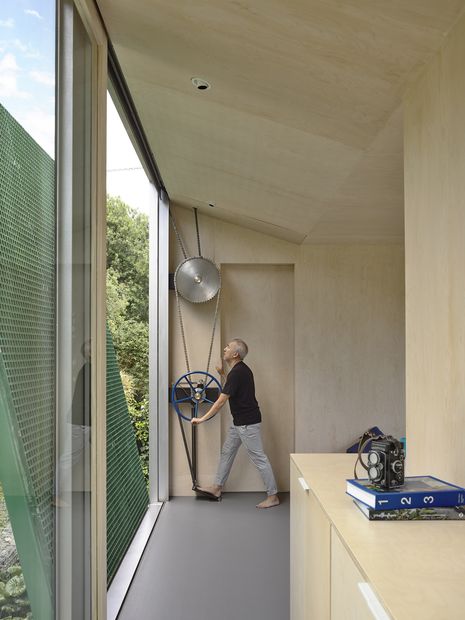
197	279
193	389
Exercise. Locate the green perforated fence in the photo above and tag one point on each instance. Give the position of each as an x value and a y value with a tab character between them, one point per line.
127	496
27	344
27	375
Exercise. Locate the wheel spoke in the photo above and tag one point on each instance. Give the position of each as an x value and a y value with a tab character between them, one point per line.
183	400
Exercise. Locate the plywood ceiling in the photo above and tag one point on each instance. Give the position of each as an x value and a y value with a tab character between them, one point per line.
300	135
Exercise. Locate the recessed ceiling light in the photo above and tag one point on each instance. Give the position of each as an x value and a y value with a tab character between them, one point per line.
200	84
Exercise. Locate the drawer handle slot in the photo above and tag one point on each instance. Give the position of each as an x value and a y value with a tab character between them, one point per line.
372	601
303	484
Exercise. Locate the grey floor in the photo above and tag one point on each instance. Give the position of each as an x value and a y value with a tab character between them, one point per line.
214	561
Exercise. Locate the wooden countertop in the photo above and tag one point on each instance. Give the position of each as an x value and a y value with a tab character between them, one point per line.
417	568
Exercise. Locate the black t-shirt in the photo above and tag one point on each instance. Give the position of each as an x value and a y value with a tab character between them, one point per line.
240	388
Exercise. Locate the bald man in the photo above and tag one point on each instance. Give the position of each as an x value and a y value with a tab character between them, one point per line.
239	389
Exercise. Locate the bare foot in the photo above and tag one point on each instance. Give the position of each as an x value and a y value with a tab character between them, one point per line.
269	502
214	490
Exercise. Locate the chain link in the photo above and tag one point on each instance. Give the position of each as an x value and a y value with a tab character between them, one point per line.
181	325
214	327
197	231
178	236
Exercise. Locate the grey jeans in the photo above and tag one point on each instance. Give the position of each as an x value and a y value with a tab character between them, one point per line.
251	437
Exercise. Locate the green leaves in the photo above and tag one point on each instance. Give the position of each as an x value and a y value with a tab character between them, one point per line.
128	254
128	309
15	586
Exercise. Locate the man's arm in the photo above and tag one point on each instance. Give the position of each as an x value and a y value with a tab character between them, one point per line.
213	409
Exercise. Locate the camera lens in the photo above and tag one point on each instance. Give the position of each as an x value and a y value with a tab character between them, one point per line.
373	458
373	473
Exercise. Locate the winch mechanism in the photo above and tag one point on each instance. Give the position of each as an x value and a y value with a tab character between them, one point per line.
197	280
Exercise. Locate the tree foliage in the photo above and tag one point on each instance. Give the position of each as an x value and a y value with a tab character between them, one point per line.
128	308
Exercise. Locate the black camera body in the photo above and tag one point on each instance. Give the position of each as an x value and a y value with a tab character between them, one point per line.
386	463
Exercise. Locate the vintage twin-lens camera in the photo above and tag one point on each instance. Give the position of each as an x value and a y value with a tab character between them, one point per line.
386	460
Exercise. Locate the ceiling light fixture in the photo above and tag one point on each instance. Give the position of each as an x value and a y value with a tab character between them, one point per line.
200	84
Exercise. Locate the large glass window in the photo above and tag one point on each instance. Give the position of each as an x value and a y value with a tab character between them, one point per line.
52	354
129	202
27	308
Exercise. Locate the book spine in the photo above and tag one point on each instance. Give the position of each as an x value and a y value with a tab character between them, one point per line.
396	501
416	514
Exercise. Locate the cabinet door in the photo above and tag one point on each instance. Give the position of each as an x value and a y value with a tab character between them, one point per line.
351	596
299	547
310	553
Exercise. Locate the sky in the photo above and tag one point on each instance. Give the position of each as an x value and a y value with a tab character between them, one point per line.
27	66
125	176
27	91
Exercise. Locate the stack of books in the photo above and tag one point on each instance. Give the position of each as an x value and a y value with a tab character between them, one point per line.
420	498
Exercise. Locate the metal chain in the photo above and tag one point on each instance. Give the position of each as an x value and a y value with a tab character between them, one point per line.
197	231
181	325
214	327
178	236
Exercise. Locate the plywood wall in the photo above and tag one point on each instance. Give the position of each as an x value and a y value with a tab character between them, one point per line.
350	346
249	291
347	331
230	245
435	263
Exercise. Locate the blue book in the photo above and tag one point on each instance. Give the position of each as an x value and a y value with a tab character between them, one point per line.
416	492
437	513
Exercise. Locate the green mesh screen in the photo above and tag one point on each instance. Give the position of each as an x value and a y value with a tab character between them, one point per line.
127	496
27	322
27	348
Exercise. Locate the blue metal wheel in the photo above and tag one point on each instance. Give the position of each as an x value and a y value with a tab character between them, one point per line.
191	390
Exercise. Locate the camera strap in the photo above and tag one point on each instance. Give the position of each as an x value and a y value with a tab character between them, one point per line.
364	440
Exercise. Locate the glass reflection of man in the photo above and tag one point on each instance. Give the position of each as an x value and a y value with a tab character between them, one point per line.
72	474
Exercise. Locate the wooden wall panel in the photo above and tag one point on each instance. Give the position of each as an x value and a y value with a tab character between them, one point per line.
258	306
350	362
348	337
435	264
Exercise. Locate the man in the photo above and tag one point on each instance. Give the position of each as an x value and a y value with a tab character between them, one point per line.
239	389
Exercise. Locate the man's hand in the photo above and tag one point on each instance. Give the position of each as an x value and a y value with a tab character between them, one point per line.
222	398
220	369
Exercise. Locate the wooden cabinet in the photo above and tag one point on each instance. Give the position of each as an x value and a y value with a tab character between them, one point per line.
351	594
310	553
326	582
345	567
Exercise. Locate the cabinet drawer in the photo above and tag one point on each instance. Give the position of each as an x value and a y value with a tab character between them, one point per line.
352	598
310	553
